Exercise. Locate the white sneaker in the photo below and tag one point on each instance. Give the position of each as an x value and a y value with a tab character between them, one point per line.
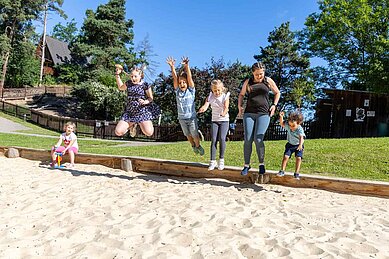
133	130
212	165
221	164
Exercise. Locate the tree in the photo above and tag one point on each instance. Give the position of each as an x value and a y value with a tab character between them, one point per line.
106	38
146	53
66	33
353	37
16	17
288	67
49	5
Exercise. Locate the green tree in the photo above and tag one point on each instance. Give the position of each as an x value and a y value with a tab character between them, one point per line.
353	37
16	30
288	67
66	33
106	38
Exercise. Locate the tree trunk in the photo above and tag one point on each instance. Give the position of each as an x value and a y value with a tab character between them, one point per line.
43	46
4	72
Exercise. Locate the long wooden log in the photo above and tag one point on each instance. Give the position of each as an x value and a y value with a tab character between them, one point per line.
199	170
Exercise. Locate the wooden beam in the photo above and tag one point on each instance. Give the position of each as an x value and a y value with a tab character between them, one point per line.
199	170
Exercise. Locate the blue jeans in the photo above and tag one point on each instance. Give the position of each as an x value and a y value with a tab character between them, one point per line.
255	126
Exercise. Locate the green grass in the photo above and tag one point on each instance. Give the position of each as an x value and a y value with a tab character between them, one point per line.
358	158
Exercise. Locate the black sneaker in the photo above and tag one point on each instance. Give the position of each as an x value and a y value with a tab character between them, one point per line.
245	170
296	176
281	173
262	169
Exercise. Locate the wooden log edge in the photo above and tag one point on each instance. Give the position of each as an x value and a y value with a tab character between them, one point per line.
199	170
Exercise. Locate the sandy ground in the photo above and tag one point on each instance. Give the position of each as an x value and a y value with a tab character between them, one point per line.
96	212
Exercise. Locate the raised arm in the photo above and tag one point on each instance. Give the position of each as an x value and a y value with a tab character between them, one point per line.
119	82
185	63
171	61
241	96
277	95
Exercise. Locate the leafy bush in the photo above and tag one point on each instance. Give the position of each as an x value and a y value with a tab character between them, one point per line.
99	101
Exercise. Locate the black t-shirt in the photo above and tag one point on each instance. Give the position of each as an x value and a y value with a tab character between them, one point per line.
258	98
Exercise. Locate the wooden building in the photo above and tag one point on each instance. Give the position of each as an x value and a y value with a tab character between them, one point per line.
348	114
56	53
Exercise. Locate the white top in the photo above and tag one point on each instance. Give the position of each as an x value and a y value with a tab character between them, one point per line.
217	105
67	138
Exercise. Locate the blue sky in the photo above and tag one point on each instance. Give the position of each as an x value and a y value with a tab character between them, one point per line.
201	29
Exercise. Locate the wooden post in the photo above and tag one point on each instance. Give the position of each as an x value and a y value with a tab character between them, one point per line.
126	165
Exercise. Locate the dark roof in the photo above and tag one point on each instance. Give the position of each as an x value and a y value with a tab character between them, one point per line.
59	50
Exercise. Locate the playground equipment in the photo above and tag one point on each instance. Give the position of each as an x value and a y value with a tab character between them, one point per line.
58	159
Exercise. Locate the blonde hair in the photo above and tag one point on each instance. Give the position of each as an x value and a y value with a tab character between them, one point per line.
69	123
217	82
139	70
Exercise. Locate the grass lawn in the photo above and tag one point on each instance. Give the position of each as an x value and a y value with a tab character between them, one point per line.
358	158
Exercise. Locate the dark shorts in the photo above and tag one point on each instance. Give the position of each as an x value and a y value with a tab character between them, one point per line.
290	149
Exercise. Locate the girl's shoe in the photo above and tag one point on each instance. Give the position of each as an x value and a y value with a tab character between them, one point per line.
221	164
262	169
281	173
133	130
70	166
245	170
212	165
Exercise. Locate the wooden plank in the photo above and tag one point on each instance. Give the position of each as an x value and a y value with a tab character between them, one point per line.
199	170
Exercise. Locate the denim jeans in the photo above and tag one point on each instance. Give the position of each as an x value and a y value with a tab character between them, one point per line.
255	126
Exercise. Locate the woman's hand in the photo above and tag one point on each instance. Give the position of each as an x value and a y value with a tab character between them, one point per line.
184	61
241	110
272	110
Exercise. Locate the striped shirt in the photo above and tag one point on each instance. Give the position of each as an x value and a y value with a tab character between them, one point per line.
186	103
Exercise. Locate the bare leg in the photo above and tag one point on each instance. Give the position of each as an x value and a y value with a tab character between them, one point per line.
298	164
284	163
191	141
53	156
122	127
147	128
71	155
196	141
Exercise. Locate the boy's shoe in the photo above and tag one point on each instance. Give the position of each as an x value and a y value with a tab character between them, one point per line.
281	173
296	176
195	150
133	130
245	170
212	165
201	150
262	169
221	164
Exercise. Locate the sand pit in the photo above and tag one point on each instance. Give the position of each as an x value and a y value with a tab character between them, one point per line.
93	211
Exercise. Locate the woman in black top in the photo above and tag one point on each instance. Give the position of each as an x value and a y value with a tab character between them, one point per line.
256	116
